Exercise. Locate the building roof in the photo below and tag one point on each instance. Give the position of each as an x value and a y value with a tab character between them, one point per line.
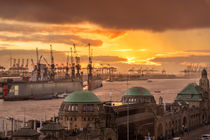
192	92
52	127
191	88
25	132
83	96
137	91
204	72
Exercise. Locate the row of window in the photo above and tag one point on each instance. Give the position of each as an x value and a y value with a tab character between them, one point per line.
75	119
85	108
134	100
73	108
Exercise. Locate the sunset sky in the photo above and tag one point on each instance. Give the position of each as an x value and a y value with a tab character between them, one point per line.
163	34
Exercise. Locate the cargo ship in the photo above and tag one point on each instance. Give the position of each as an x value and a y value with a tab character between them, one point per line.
44	82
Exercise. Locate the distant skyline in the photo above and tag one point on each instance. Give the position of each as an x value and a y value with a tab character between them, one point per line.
156	33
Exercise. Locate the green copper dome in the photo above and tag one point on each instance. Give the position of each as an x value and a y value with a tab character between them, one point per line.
137	91
204	72
83	96
192	92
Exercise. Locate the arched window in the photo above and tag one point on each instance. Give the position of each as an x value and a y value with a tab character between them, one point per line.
98	108
62	107
69	108
76	108
84	109
72	108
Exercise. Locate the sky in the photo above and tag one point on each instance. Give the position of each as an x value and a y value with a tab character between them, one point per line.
159	34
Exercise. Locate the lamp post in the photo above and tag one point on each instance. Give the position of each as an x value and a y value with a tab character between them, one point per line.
128	121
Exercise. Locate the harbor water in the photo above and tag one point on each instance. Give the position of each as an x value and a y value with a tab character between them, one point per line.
36	109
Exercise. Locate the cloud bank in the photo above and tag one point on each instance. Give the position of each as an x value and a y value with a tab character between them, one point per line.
156	15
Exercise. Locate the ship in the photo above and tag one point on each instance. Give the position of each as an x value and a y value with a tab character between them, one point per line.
45	83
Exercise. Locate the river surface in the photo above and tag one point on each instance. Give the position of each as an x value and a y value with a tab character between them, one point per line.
34	109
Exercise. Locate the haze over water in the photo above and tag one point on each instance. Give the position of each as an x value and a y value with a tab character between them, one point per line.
35	109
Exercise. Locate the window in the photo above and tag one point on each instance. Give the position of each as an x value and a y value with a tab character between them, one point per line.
62	107
72	108
88	108
98	108
84	108
76	108
69	108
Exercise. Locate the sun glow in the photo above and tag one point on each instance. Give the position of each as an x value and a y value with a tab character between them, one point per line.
130	60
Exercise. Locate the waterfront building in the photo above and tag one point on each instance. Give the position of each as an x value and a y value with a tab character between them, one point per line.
82	112
52	131
139	116
138	95
25	134
84	116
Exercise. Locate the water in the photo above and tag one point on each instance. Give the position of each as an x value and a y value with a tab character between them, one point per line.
37	109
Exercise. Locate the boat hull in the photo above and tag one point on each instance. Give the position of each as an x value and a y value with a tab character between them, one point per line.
96	84
40	90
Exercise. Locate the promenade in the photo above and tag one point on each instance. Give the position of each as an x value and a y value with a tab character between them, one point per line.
197	133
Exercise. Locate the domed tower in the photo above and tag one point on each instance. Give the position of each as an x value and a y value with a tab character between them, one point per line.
204	81
138	95
81	110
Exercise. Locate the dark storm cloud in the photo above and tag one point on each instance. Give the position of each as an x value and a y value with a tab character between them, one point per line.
156	15
187	59
64	39
30	29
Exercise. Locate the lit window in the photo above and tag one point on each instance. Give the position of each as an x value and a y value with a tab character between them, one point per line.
69	108
72	108
76	107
